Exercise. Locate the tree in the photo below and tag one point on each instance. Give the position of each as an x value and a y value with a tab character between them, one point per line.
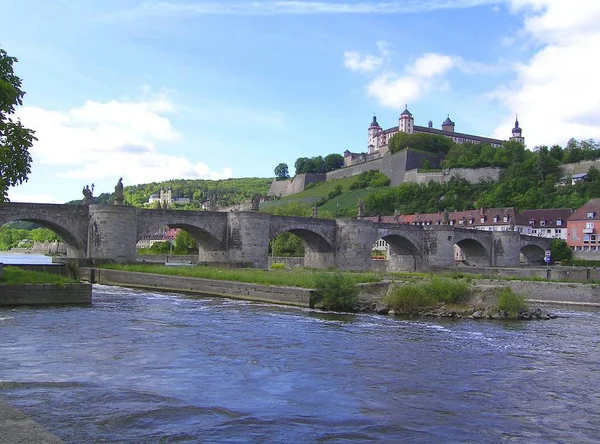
185	243
15	139
333	162
281	171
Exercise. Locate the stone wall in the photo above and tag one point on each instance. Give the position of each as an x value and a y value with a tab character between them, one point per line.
474	175
235	290
295	184
45	294
579	167
168	258
289	262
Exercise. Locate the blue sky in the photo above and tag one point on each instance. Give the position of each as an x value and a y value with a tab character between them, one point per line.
156	90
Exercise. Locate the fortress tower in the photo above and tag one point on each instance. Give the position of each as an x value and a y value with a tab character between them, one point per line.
517	133
406	123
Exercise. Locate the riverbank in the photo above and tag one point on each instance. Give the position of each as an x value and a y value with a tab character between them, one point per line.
18	428
484	291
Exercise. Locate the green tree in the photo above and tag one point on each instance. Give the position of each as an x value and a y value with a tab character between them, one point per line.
560	250
287	245
15	139
185	243
281	171
333	162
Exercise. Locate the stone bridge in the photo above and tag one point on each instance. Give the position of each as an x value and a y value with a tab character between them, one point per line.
104	233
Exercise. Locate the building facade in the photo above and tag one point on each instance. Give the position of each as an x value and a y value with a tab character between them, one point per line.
583	226
378	138
549	223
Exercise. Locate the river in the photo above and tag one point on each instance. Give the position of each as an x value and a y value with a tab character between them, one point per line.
140	366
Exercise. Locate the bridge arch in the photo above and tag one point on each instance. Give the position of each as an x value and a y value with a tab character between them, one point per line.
69	222
403	254
470	251
533	254
210	249
318	236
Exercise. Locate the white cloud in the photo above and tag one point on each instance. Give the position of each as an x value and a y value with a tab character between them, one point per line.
33	198
394	91
290	7
355	61
556	92
113	139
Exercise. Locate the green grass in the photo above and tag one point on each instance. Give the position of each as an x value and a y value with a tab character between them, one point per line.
17	276
319	193
414	296
511	302
304	278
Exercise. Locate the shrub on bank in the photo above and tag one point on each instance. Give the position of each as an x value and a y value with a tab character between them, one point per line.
278	266
413	297
18	276
511	302
336	292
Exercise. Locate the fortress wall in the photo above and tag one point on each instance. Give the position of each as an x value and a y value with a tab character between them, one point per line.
579	167
355	170
295	184
471	175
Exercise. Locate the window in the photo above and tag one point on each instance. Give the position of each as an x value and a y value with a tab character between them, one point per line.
593	238
531	221
505	218
591	214
542	223
470	221
589	225
482	220
558	222
495	219
586	238
460	222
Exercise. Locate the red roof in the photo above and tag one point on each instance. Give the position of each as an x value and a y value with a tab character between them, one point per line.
591	206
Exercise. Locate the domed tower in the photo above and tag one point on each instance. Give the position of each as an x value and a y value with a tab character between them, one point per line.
517	135
448	125
406	123
374	129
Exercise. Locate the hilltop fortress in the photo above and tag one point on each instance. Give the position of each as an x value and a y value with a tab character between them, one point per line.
401	166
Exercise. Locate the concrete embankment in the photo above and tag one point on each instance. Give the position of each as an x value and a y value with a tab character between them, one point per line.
17	428
45	294
229	289
370	294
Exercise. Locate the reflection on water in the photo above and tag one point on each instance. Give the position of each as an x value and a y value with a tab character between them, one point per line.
142	366
21	259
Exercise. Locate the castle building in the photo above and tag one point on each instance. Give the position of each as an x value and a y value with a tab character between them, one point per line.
379	138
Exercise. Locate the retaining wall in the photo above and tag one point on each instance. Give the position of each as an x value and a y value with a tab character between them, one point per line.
236	290
168	258
45	294
289	262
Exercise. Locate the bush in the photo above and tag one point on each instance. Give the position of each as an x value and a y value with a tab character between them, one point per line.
511	302
277	266
371	178
410	298
337	190
335	292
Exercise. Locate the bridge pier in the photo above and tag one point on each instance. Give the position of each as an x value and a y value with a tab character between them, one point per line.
354	245
506	248
247	241
438	246
112	233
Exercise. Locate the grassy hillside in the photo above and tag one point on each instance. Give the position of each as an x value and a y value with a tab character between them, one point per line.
335	198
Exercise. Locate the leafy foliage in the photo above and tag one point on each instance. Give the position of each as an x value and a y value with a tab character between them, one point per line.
11	236
185	243
17	276
412	297
372	178
15	139
319	164
336	292
429	143
281	171
511	302
287	245
560	250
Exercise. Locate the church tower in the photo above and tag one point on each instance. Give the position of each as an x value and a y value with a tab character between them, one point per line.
406	123
517	133
374	129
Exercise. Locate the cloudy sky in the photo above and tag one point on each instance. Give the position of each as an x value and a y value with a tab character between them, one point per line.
152	90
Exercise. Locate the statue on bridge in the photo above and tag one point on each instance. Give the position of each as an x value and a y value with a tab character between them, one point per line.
360	207
396	216
119	197
446	216
315	211
87	195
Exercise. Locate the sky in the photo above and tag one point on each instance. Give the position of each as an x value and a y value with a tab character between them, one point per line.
152	90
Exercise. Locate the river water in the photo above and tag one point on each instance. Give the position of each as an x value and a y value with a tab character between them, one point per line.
140	366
